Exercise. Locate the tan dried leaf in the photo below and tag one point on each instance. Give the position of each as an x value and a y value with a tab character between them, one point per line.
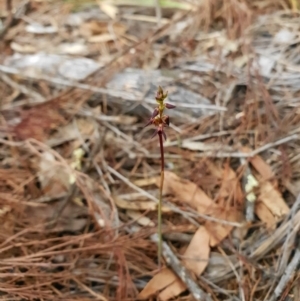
273	200
219	231
265	215
68	221
188	192
164	278
54	179
262	167
230	184
197	253
195	259
173	290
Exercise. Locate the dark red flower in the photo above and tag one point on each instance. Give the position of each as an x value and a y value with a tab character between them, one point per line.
158	119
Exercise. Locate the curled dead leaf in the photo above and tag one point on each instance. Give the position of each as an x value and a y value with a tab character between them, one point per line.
164	278
69	220
188	192
195	259
262	167
273	200
265	215
218	231
54	179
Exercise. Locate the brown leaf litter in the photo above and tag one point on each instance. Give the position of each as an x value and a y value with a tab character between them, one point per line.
79	176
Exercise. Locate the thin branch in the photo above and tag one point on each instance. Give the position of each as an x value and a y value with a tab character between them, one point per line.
220	154
288	275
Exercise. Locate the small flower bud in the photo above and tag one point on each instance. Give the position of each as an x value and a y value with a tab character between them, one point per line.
159	93
155	113
160	96
170	106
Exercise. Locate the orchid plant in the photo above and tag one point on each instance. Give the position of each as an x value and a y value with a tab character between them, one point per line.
160	121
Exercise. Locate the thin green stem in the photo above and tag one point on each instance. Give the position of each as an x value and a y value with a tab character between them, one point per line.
159	217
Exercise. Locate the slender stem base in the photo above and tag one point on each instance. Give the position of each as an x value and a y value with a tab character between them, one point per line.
159	211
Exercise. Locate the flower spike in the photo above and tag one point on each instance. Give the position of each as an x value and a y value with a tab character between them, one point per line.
160	96
160	121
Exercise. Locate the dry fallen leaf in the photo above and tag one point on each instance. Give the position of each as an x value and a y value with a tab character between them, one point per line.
230	184
197	253
188	192
173	290
164	278
69	220
195	259
262	167
219	231
54	179
36	125
273	200
265	215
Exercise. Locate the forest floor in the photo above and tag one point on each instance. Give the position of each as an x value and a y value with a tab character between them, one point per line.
80	174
